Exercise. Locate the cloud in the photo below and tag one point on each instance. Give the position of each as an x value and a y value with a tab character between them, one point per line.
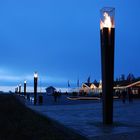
6	77
9	77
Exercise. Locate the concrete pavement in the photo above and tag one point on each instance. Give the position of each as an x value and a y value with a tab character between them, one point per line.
85	117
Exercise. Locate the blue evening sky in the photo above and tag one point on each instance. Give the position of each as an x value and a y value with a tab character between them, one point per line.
60	39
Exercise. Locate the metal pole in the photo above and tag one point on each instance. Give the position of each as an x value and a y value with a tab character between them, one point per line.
107	34
24	88
35	88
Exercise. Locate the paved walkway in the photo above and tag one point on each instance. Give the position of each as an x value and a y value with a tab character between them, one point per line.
85	117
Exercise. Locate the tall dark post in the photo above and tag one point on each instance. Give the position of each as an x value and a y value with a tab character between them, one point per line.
16	90
35	87
24	88
19	89
107	34
138	90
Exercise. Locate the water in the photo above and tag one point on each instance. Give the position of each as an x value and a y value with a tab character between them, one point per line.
31	89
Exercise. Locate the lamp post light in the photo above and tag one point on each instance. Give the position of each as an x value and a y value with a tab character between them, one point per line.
35	87
107	36
24	88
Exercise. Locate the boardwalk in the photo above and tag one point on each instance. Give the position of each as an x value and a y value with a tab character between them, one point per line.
85	117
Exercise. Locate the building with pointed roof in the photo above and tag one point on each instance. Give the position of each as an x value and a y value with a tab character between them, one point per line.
91	88
96	87
50	90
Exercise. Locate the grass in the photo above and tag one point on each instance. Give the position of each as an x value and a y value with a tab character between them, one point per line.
20	123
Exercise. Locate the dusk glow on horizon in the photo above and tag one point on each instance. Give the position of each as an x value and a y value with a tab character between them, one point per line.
61	41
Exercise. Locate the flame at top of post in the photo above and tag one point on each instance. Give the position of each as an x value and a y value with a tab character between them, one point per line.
107	22
35	75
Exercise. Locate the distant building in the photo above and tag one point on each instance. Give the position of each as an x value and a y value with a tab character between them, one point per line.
134	85
95	88
50	90
91	88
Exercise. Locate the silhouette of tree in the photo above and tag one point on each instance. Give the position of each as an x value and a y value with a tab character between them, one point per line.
130	77
95	81
122	77
88	80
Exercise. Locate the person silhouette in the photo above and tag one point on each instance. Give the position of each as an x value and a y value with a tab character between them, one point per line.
124	96
55	95
130	95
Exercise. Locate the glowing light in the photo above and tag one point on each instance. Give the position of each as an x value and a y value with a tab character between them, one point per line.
128	86
93	86
107	21
35	75
25	82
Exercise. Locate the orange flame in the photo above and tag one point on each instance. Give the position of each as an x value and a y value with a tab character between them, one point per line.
107	21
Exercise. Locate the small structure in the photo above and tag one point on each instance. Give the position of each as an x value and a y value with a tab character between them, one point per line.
92	88
50	90
134	85
119	86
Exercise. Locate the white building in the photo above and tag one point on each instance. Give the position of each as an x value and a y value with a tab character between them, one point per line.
91	88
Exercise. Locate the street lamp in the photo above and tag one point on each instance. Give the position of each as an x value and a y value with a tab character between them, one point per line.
24	88
107	36
35	87
19	88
